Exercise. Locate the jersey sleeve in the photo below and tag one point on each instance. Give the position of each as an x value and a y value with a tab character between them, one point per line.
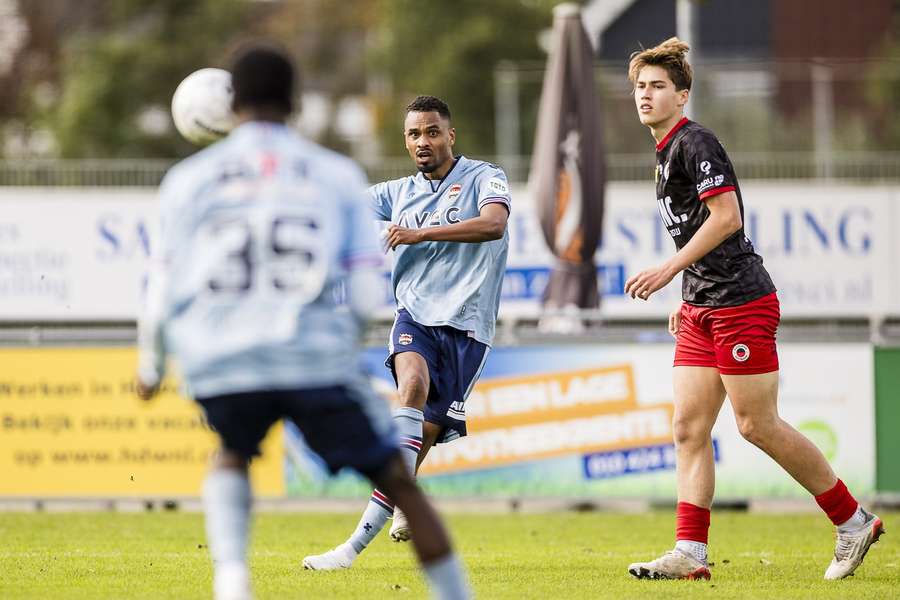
360	254
360	247
708	164
152	315
380	201
494	188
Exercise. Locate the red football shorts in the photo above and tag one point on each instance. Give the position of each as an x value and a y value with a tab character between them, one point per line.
737	340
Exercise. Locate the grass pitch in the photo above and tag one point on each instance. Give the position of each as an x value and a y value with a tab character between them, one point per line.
557	556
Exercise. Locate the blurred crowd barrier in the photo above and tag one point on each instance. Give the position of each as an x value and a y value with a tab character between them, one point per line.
858	166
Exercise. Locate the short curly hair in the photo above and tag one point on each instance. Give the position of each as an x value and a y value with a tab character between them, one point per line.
670	55
429	104
263	75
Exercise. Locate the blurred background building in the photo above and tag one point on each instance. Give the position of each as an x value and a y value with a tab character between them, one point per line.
794	88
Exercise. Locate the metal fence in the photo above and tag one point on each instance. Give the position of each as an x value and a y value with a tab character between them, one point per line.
884	331
851	166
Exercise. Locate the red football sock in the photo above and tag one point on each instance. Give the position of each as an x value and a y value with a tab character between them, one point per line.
691	523
838	503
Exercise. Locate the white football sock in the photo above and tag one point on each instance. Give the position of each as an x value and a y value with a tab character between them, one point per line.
226	502
448	579
855	522
373	520
409	427
380	508
695	549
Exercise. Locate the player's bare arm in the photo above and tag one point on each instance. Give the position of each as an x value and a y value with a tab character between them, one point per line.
489	225
724	219
151	346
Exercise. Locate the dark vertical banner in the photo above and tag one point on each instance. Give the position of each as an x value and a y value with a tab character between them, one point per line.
568	169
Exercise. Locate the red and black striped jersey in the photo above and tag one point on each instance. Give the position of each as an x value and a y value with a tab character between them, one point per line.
691	165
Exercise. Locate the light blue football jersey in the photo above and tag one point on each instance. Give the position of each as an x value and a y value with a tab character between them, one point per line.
257	233
447	283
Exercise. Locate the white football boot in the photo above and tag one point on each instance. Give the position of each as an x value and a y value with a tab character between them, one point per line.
399	528
674	564
341	557
851	547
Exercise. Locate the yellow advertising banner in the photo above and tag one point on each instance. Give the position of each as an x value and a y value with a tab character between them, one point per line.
72	426
517	419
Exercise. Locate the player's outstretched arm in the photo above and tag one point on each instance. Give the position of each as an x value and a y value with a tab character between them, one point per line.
151	349
724	219
489	225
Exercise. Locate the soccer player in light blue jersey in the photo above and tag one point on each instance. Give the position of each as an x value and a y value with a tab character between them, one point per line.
258	232
448	232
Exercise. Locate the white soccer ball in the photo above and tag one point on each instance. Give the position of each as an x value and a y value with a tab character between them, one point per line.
201	106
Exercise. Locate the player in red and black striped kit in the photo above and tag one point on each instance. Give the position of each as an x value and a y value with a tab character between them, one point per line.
724	330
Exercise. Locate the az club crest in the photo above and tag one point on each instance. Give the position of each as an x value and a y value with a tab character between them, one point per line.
404	339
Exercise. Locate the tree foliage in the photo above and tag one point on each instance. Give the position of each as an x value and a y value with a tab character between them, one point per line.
883	91
451	50
110	63
128	56
112	75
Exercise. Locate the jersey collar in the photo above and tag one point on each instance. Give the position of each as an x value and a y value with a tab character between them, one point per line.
684	121
435	186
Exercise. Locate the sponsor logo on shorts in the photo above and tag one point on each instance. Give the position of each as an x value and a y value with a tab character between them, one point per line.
404	339
454	192
457	411
740	352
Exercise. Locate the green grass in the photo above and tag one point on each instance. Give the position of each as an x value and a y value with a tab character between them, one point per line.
558	556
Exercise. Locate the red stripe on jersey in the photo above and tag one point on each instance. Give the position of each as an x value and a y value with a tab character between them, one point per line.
269	163
498	200
716	191
672	131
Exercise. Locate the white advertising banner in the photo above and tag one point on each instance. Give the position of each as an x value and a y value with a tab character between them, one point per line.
72	254
829	248
78	254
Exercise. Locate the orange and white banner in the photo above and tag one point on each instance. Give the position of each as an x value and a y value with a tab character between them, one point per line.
517	419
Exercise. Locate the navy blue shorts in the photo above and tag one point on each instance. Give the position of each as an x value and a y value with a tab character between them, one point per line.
346	426
455	362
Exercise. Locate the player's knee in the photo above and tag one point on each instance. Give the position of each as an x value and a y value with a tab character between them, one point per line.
413	388
755	429
686	433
